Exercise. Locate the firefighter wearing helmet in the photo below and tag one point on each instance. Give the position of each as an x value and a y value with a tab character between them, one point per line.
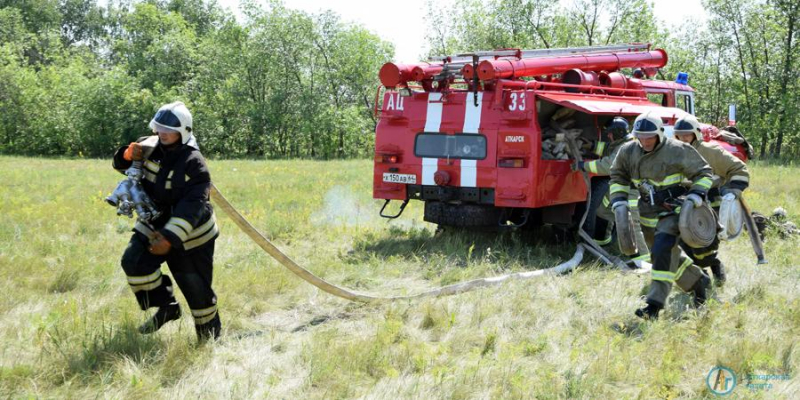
657	166
177	179
730	179
616	131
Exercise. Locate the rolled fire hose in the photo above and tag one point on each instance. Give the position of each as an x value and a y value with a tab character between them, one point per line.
731	218
698	225
625	229
348	294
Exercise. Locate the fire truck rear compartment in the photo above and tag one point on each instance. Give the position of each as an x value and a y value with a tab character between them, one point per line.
567	119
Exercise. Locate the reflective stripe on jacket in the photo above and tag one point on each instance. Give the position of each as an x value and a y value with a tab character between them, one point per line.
602	166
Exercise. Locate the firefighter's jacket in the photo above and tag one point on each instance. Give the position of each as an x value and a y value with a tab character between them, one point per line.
607	152
665	168
728	171
178	182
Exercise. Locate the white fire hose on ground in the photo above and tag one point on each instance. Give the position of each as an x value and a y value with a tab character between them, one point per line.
344	293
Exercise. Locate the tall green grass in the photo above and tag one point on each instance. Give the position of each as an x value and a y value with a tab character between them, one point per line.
68	320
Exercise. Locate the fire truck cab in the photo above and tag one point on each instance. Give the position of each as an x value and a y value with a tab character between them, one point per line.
477	137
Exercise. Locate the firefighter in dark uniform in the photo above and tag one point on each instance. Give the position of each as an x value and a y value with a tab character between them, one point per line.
658	166
730	179
176	178
616	131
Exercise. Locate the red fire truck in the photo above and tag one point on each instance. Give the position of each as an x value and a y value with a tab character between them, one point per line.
470	134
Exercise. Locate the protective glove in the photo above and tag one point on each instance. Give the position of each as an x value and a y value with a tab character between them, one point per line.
695	198
617	204
159	245
133	152
735	192
578	166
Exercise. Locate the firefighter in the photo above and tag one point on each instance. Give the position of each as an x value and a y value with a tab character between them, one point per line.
731	178
657	165
616	131
178	181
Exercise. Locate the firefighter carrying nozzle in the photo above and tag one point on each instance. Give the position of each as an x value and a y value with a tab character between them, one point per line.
129	196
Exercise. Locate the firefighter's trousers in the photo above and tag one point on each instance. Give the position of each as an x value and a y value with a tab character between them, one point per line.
191	270
705	257
670	264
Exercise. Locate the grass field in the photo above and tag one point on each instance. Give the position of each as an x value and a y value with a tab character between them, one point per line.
68	320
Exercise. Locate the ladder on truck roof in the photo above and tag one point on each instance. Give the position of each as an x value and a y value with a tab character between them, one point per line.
535	53
452	64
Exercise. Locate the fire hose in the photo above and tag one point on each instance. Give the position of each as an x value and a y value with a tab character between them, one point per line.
348	294
461	287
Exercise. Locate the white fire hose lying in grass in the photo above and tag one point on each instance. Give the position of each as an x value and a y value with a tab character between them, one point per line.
307	276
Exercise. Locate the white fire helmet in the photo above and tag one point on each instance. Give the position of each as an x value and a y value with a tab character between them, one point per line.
173	117
689	124
648	125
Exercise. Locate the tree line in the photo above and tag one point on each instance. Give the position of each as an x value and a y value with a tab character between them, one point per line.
78	77
745	53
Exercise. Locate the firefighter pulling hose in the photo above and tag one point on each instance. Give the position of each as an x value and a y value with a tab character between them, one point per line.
168	181
664	164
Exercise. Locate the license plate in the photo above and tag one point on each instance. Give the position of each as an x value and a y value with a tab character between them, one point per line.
399	178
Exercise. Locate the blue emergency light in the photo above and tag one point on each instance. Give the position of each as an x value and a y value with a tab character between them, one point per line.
683	78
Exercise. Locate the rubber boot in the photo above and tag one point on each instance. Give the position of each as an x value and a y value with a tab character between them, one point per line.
169	312
209	330
718	271
650	311
699	290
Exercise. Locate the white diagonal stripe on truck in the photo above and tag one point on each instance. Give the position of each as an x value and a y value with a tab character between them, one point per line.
472	121
433	120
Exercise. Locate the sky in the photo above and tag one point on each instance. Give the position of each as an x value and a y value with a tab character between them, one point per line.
403	22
